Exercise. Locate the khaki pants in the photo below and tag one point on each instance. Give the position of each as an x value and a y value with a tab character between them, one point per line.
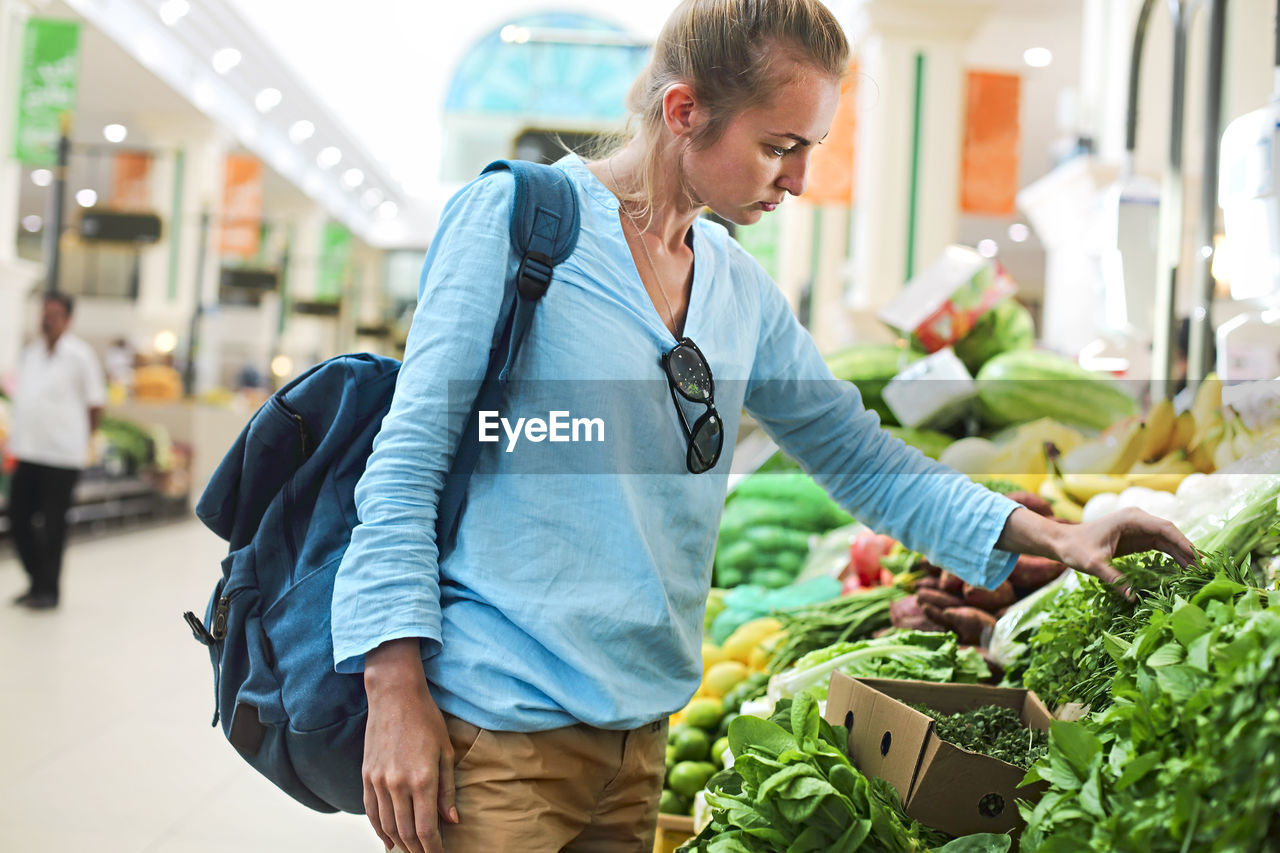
575	789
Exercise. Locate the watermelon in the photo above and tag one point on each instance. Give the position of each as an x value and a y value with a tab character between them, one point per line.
1005	328
1025	385
929	442
870	367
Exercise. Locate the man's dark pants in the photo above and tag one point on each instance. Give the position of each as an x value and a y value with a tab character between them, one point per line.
39	498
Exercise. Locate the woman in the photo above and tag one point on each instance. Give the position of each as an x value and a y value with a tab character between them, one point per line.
565	625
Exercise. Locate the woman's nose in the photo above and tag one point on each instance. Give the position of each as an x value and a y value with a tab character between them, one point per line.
795	174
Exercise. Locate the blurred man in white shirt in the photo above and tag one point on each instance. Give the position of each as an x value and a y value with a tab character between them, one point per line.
56	408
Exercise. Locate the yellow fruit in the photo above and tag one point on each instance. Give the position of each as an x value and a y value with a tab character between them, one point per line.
763	652
712	655
740	643
723	677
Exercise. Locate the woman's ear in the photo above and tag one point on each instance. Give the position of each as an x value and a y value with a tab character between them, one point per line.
681	110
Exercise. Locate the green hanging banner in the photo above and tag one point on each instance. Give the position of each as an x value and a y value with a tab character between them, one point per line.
335	263
47	90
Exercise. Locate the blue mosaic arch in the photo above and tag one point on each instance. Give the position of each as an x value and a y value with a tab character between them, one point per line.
545	79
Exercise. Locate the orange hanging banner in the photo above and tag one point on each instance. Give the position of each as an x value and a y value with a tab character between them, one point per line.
989	169
830	179
241	207
129	190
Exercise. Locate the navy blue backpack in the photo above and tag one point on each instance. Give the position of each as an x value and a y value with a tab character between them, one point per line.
283	498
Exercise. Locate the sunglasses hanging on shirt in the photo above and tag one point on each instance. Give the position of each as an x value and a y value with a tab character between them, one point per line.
689	375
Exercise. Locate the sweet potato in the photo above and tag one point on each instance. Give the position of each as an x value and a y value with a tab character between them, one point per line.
1034	572
970	624
950	583
904	609
938	598
927	583
922	623
928	568
989	600
1033	502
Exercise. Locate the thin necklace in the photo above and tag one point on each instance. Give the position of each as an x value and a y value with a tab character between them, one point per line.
662	290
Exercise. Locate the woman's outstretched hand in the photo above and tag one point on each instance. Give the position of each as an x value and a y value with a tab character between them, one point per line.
1090	547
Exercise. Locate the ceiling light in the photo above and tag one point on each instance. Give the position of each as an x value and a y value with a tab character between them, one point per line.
226	59
42	177
115	132
165	342
512	34
32	223
172	11
388	210
313	185
267	100
988	248
1037	57
372	198
328	157
1019	233
86	198
352	178
301	131
281	366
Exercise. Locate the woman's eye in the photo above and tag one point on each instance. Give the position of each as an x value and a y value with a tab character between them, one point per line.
779	151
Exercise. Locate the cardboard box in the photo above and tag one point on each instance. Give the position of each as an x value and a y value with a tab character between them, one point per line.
941	785
939	306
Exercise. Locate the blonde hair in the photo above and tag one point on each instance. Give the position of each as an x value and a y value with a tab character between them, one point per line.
728	52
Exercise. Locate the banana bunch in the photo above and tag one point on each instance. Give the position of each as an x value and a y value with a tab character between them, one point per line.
1157	452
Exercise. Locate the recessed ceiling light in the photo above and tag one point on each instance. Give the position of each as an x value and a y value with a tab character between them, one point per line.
1037	57
372	198
86	198
328	157
32	223
42	177
301	131
988	248
172	11
226	59
388	210
1019	233
115	132
267	100
352	178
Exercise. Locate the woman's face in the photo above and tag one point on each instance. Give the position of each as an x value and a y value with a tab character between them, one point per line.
763	154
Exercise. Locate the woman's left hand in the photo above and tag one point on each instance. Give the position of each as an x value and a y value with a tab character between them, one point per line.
1091	546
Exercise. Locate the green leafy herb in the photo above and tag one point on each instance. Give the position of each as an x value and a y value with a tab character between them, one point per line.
990	730
852	617
1186	756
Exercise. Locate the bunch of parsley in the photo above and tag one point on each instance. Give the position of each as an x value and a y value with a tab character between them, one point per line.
1187	755
990	730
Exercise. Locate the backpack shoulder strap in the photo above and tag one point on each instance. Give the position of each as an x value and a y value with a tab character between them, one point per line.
544	231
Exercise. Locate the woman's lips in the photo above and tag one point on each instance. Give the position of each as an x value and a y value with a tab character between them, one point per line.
768	205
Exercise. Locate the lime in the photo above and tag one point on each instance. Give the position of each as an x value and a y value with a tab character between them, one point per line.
671	755
722	730
689	777
718	749
691	745
704	713
672	803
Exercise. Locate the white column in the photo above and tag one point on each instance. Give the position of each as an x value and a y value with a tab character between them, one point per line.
307	340
888	35
17	277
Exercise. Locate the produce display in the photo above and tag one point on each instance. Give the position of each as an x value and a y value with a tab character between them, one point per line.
1172	688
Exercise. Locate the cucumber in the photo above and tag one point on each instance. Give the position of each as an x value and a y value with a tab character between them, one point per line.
1026	385
772	538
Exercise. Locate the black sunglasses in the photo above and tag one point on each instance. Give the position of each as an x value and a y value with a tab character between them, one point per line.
688	373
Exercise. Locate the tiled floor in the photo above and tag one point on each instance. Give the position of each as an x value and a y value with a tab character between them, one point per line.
105	704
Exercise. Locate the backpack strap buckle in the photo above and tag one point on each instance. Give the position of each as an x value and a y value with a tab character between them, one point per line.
197	628
534	276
